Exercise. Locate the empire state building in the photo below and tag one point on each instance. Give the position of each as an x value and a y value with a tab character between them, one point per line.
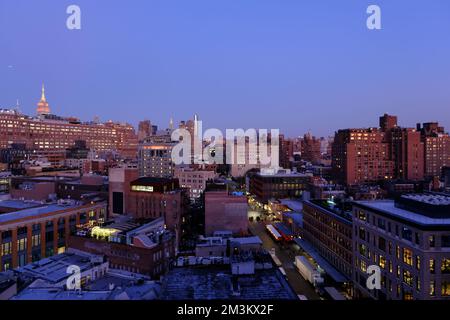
42	106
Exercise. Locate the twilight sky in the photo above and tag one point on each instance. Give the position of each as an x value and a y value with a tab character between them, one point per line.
297	65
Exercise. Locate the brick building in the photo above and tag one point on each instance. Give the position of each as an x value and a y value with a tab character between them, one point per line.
377	154
409	239
48	132
194	180
328	229
269	184
146	249
225	211
32	231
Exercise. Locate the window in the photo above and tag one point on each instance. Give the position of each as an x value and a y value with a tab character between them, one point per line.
382	244
362	216
407	278
6	249
36	240
363	266
362	250
407	256
22	244
445	289
381	224
418	262
382	261
432	288
407	234
445	266
445	241
432	266
362	234
431	241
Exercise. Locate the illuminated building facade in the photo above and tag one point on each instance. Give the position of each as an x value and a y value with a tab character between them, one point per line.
48	132
437	148
30	231
145	249
155	157
361	155
409	239
268	185
329	230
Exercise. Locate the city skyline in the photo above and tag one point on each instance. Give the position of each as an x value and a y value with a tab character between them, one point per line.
162	61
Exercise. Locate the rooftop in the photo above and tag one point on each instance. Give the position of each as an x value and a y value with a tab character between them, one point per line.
389	208
37	211
19	204
433	199
54	269
294	205
115	285
332	208
216	282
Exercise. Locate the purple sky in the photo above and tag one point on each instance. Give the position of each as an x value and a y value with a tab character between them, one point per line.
296	65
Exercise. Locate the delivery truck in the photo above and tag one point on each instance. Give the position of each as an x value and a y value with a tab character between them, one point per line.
308	271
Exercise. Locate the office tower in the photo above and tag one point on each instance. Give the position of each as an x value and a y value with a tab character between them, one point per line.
155	157
43	107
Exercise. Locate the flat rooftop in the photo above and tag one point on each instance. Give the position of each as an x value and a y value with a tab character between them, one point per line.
332	209
19	204
389	208
284	175
112	286
34	212
294	205
216	283
54	269
247	240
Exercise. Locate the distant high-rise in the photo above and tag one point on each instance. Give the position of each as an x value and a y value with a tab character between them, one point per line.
42	106
155	157
311	147
286	152
437	148
52	133
372	154
388	122
145	130
361	155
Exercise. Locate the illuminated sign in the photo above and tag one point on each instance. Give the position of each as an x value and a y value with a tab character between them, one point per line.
142	188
